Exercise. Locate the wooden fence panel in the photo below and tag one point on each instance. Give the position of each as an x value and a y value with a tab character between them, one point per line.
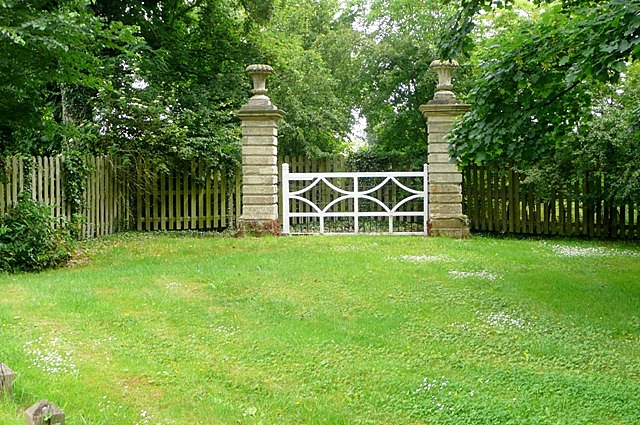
507	205
188	198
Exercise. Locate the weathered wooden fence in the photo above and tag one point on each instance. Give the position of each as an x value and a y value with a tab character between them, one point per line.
499	201
104	209
194	198
190	198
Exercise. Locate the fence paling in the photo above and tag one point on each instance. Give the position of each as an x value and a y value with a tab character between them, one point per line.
192	198
505	205
181	204
494	201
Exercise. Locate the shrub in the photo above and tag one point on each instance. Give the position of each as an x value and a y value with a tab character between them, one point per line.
28	239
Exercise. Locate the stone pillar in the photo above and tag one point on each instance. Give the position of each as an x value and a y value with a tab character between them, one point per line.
445	179
259	158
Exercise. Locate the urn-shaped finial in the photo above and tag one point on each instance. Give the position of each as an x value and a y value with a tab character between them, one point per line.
259	73
444	69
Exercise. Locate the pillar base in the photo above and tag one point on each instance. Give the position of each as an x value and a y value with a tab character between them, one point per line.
247	227
450	226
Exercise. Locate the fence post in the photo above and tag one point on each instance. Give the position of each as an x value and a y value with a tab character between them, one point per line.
445	179
285	198
7	376
259	158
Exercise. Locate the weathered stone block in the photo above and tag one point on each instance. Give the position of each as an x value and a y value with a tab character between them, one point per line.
260	160
259	170
447	198
447	210
260	128
259	150
259	180
448	178
438	147
258	228
457	233
443	167
441	126
442	158
259	140
435	187
259	212
7	376
262	190
259	199
44	413
453	227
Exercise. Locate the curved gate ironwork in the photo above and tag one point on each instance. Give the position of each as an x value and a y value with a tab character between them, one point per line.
352	201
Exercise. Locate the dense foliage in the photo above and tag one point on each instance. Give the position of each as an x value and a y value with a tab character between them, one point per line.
553	93
159	79
400	41
162	79
28	239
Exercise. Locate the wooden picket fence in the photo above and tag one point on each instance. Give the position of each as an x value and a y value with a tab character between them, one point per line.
185	199
499	201
189	198
104	211
192	198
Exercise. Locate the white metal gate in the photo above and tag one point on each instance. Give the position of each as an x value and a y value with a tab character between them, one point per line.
350	202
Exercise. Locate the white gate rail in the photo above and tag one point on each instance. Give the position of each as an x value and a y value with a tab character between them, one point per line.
324	212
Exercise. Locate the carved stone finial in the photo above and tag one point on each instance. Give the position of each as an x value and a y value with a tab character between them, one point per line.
259	73
444	69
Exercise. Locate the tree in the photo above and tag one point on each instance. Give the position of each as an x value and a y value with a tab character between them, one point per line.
401	42
537	83
310	45
159	79
177	100
50	52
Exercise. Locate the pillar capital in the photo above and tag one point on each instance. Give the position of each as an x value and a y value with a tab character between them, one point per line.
259	106
441	111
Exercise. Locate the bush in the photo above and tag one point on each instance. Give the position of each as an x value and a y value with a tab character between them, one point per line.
28	239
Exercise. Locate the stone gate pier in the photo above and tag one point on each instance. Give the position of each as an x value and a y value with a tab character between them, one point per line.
445	179
259	158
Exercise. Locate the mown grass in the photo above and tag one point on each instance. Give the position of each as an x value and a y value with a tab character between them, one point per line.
168	329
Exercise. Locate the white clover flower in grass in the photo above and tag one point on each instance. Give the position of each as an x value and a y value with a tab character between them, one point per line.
439	394
503	320
421	258
482	274
578	251
225	330
51	354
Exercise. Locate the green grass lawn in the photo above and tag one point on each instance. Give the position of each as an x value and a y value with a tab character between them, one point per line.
175	329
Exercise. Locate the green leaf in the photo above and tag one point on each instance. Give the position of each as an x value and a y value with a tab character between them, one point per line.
624	46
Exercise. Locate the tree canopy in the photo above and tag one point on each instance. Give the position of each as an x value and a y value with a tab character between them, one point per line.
125	77
164	78
536	82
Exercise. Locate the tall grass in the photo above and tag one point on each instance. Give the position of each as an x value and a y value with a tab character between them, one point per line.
168	329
